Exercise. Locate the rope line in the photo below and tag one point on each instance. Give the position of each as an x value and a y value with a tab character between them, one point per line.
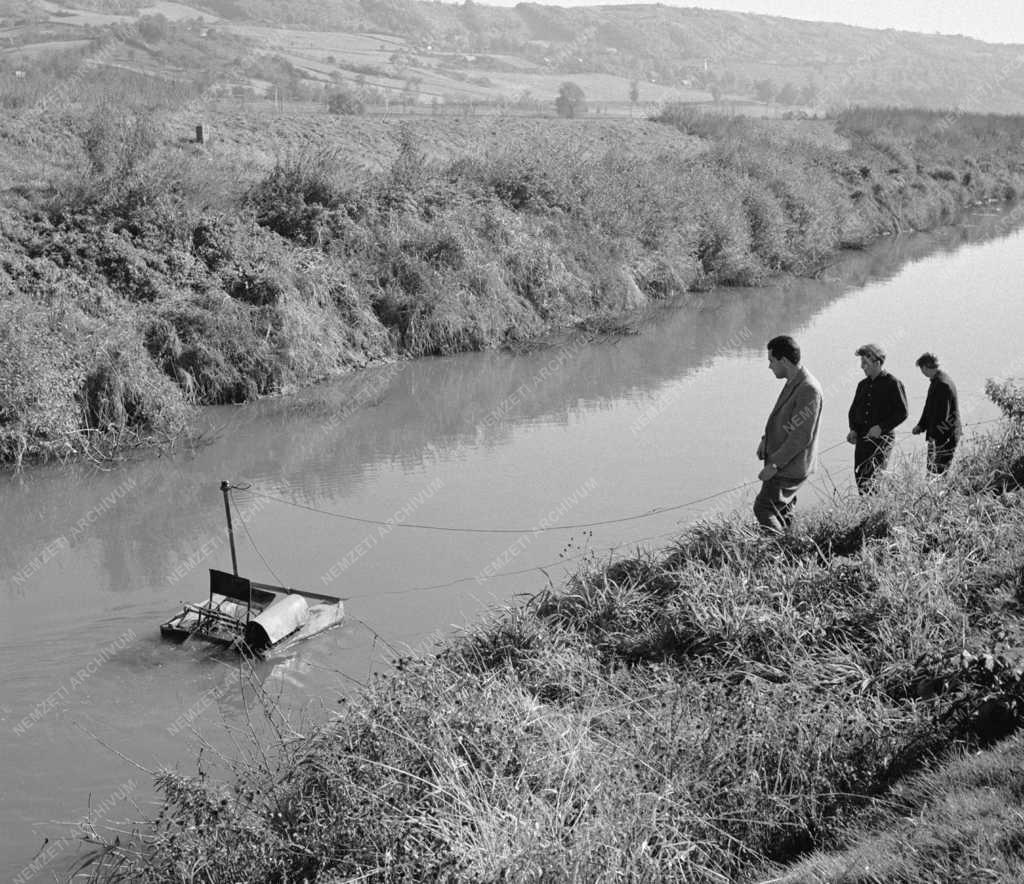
462	529
542	568
572	526
241	519
565	559
534	530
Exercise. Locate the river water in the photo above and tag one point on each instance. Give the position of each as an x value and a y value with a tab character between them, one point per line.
92	561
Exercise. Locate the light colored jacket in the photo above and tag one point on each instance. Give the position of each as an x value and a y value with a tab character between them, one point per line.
791	434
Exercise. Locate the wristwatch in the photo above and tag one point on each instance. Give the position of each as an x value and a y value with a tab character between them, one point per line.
774	466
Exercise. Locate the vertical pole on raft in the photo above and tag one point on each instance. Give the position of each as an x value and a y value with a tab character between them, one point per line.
225	487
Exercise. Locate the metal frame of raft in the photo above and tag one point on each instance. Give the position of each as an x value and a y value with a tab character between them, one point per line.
249	616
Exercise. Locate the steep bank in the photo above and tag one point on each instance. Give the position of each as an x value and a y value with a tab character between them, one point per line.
709	711
161	275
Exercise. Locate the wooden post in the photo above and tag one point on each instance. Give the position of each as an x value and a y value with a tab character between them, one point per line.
225	488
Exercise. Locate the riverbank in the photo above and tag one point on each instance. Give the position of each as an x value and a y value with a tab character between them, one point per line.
709	711
153	276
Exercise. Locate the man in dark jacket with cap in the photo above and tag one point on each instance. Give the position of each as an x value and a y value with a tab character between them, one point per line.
879	406
940	420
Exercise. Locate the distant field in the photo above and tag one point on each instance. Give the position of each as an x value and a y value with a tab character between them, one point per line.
258	134
81	17
310	50
326	57
36	49
597	87
177	11
167	8
379	45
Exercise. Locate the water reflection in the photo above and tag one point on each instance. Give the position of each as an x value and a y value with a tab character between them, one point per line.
136	524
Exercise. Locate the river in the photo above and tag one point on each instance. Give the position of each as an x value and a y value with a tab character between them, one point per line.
93	560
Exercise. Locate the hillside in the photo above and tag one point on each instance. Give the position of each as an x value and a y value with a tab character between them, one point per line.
408	52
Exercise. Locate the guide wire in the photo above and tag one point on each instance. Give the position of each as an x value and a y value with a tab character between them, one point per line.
524	531
463	529
542	567
241	519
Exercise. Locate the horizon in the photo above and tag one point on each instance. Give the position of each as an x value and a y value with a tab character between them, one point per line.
1000	21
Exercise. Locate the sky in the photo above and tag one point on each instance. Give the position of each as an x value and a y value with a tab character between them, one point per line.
995	21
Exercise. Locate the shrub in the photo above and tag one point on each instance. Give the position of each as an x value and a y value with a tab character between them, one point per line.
345	103
571	101
116	141
1009	396
293	198
72	383
39	378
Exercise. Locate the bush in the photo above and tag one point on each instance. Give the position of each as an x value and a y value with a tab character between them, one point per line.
344	103
294	198
571	101
117	141
72	384
1009	396
39	379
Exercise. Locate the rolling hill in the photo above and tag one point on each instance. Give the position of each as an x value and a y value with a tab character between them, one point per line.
410	53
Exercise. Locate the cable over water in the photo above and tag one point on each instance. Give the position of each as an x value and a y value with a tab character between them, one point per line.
519	531
533	529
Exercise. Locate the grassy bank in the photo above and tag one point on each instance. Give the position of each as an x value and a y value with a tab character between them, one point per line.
151	275
712	711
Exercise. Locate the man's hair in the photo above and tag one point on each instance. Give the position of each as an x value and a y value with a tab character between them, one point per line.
784	347
927	360
872	351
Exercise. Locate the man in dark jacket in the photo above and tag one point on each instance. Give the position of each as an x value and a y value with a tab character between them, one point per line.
940	420
788	449
879	406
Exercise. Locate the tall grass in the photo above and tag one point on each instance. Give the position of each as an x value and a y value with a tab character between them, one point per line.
707	712
234	283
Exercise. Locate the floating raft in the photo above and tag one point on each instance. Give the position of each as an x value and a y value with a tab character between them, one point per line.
254	618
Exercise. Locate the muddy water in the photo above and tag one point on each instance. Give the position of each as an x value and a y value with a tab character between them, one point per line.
92	561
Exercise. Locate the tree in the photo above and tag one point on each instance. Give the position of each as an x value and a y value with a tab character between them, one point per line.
787	94
808	93
764	90
153	27
344	102
571	101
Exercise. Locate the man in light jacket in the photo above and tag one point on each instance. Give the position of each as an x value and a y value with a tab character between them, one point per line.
789	445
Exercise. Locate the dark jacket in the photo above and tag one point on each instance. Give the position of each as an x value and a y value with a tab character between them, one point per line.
940	419
881	401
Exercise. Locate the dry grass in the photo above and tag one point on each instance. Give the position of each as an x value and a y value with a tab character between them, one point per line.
301	245
709	712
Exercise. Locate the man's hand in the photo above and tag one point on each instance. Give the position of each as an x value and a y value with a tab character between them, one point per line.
918	429
767	472
760	449
851	437
875	432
